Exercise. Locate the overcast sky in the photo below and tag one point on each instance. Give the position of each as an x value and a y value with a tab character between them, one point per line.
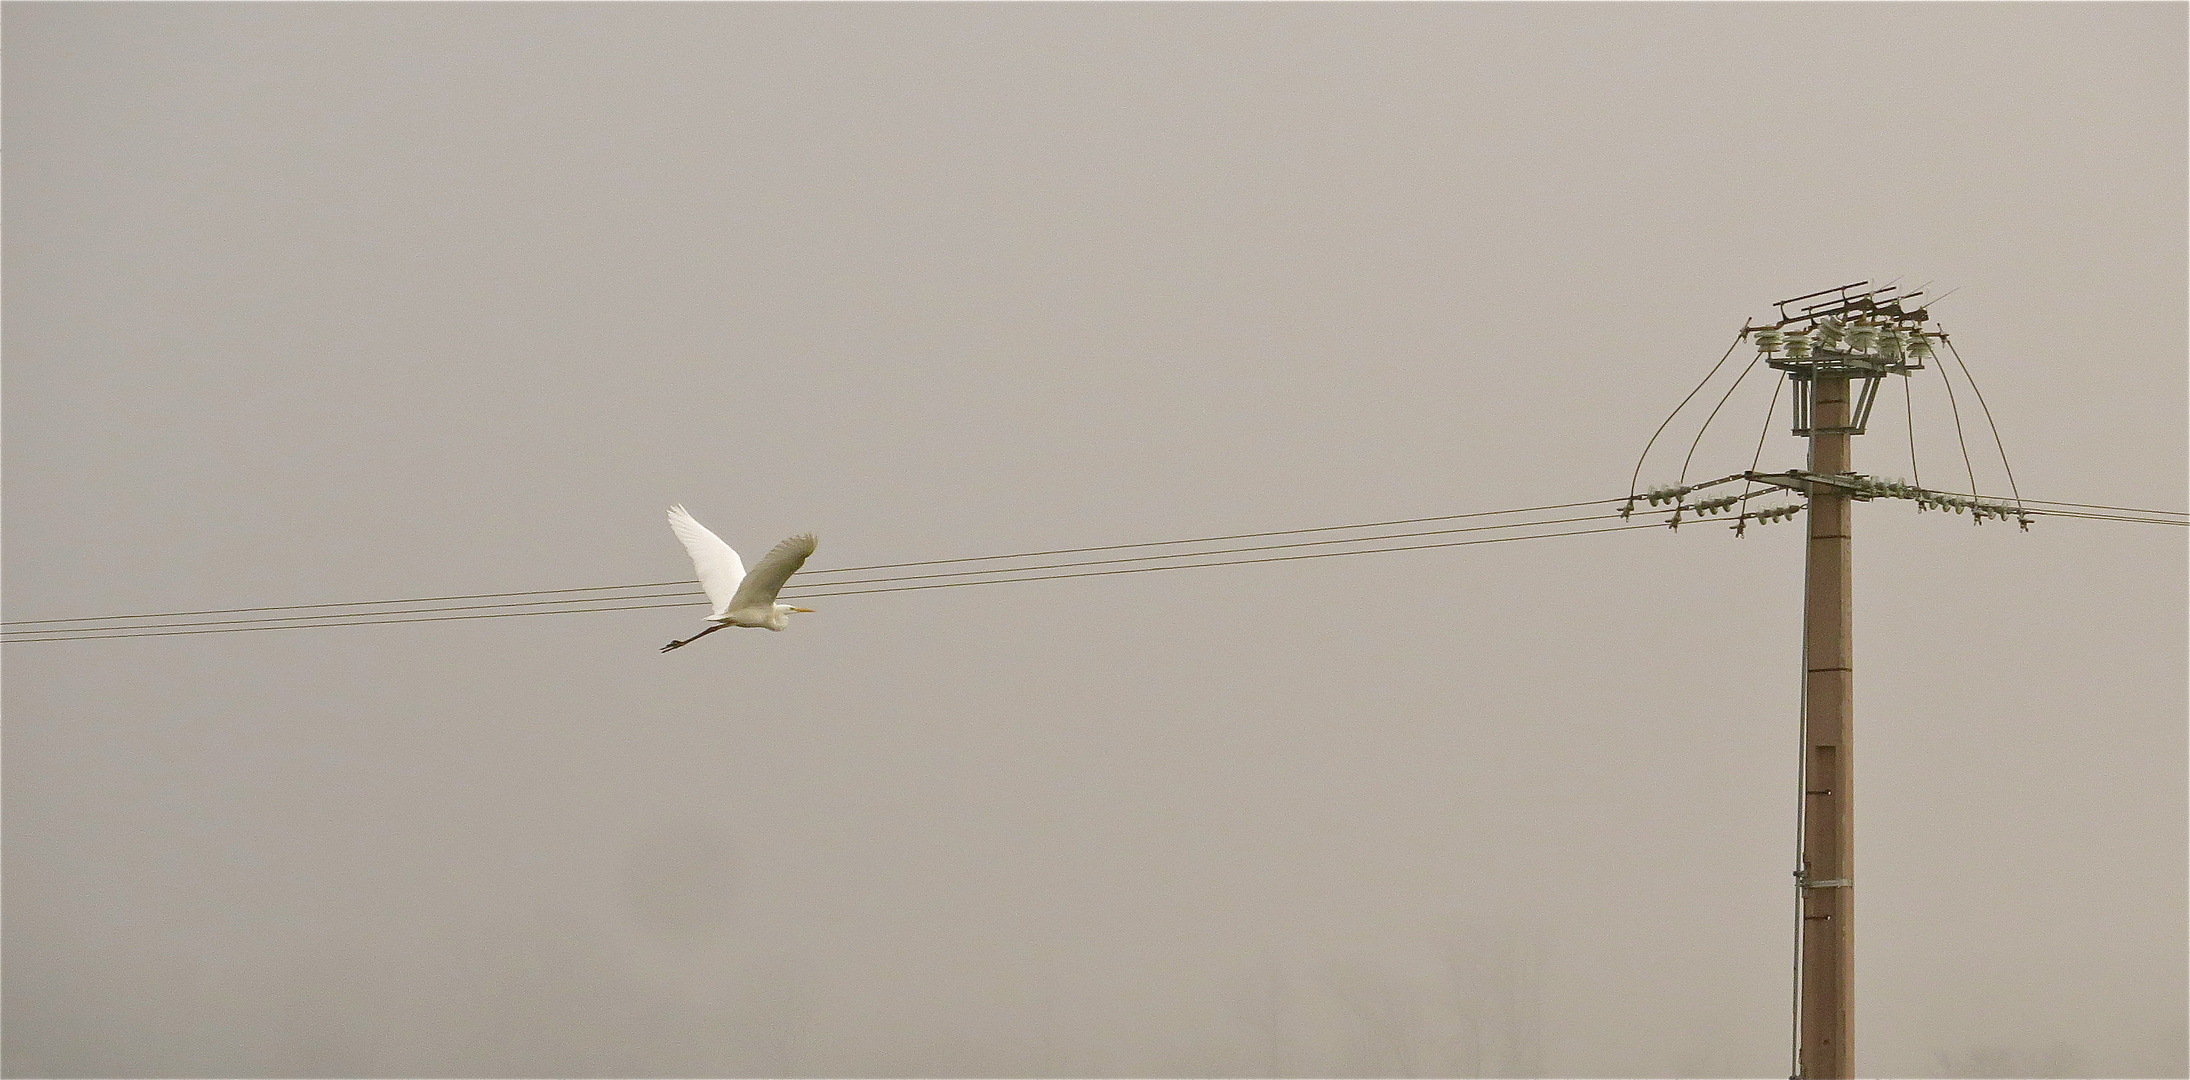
320	303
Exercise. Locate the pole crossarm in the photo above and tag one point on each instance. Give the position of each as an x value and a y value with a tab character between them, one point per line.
1865	488
1808	484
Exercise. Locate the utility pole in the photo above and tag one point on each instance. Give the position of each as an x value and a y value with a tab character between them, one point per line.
1826	1010
1847	339
1835	352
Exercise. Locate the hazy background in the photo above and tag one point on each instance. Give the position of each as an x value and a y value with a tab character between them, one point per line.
316	303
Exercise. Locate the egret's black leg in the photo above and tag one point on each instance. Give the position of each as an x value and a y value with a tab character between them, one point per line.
693	638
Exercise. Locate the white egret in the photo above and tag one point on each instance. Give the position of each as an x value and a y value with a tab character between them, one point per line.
740	599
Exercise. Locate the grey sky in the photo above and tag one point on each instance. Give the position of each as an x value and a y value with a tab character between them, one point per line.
317	303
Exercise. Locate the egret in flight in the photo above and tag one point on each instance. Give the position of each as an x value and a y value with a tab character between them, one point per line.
740	599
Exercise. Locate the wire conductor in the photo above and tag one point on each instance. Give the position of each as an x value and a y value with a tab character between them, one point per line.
108	633
1633	480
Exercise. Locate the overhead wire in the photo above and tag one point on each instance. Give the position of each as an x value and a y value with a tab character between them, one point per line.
353	603
796	591
1244	562
1802	827
298	622
1714	414
1908	410
2039	504
825	571
1957	410
1220	551
1632	480
109	633
1748	487
104	635
2109	517
1212	539
307	619
566	600
570	605
2098	506
1972	380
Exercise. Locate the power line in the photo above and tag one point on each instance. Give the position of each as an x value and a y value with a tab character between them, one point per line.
1741	526
586	604
1632	480
306	620
106	634
813	573
1209	539
2087	506
1244	562
796	591
2108	517
1957	411
1714	414
1908	412
98	635
1996	441
300	622
1220	551
2097	506
354	603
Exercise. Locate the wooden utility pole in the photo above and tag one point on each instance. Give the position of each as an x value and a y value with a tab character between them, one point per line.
1826	1014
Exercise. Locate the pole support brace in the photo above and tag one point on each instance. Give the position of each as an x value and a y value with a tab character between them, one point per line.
1809	483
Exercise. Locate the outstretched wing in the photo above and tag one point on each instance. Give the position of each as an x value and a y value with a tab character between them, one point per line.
774	568
718	566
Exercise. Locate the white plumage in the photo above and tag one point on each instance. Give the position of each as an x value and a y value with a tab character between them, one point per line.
739	598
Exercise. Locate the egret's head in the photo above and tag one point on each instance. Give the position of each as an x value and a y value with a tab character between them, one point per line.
780	618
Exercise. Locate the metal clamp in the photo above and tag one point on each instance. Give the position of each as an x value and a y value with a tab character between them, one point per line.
1836	883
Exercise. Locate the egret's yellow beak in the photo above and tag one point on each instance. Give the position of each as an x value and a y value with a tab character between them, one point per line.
807	610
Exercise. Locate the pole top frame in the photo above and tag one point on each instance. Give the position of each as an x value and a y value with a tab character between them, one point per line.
1833	338
1882	301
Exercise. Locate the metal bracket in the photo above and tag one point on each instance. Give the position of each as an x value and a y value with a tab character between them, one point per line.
1864	371
1830	362
1879	300
1810	483
1836	883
